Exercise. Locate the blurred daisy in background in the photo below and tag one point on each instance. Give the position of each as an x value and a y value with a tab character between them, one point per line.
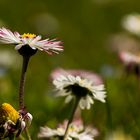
131	62
132	23
81	84
128	51
7	61
76	131
7	58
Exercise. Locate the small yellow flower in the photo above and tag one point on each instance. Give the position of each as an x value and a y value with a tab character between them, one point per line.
7	112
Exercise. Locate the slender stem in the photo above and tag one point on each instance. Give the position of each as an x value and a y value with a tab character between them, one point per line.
134	112
71	116
109	115
12	137
27	134
21	137
22	81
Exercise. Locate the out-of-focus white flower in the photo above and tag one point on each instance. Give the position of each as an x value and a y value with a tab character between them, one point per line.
131	61
79	84
7	58
128	51
129	57
76	131
31	40
132	23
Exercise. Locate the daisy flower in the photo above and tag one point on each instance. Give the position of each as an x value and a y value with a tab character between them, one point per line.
76	131
129	57
84	85
127	49
131	61
28	43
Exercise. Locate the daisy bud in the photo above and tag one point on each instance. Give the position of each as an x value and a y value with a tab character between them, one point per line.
28	119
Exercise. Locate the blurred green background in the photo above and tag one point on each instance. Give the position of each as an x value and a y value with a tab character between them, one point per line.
85	28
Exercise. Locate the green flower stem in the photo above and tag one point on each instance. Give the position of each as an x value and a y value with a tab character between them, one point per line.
21	137
28	134
77	99
109	115
22	81
12	137
134	112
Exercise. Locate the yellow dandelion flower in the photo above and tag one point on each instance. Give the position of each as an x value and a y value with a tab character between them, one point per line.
7	112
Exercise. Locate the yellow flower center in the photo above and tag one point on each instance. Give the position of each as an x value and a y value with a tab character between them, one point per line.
28	35
7	112
71	129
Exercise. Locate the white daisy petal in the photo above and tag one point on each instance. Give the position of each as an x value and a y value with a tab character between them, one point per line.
7	37
99	87
71	78
17	47
78	78
68	98
100	95
87	104
82	103
90	99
